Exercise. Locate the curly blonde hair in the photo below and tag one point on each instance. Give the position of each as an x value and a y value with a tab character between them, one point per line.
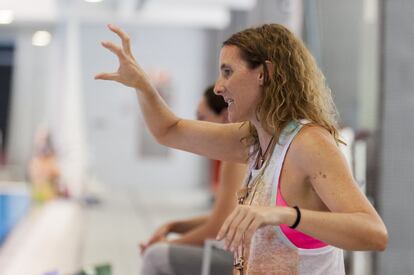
296	90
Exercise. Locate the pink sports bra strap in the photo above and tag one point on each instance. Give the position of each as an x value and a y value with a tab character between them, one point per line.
296	237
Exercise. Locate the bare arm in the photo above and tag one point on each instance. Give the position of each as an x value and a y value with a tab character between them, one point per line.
231	177
194	231
351	222
184	226
215	141
180	226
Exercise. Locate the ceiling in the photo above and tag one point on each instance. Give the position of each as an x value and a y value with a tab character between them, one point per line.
194	13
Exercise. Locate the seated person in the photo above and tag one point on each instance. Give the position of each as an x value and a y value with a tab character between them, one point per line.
184	254
44	171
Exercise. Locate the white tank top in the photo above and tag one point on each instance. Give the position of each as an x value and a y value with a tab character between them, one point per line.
270	251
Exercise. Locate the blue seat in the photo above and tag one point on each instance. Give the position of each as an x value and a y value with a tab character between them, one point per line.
12	208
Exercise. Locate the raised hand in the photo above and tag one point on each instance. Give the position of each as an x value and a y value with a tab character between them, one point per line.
129	72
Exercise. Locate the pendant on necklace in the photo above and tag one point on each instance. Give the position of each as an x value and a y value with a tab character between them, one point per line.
239	264
242	194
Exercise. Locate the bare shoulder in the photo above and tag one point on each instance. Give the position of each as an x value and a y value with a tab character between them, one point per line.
313	144
314	137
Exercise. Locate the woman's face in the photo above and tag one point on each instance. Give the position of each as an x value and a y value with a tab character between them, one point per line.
240	86
205	113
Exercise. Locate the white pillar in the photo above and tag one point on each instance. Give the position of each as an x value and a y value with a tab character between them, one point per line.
66	110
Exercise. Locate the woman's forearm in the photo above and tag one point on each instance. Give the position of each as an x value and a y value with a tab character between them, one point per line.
158	116
197	235
184	226
350	231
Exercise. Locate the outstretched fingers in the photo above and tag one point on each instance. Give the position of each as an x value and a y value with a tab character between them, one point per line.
126	44
119	53
129	73
114	48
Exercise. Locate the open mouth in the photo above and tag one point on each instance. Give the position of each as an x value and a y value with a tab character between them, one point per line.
229	101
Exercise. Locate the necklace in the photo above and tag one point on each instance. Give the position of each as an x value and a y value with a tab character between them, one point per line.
261	157
244	192
242	195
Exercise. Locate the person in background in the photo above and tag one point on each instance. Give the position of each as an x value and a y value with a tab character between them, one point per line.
44	171
183	255
214	109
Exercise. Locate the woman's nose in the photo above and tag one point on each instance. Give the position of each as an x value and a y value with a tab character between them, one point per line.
218	89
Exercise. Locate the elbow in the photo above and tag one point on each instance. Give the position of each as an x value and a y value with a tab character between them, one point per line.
163	135
160	138
384	241
380	241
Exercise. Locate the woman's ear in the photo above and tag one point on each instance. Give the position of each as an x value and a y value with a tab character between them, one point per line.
268	66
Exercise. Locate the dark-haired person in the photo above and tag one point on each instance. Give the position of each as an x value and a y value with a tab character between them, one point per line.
300	205
184	254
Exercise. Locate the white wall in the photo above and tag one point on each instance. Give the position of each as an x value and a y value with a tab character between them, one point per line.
349	34
108	112
29	84
112	118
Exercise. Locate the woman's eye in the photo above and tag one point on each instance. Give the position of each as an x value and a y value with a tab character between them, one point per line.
226	72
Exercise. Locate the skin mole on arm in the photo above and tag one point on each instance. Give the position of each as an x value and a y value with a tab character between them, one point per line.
322	175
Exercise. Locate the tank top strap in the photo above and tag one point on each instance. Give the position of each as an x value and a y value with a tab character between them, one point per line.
280	151
277	157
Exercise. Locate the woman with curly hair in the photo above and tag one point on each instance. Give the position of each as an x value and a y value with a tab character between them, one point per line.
300	205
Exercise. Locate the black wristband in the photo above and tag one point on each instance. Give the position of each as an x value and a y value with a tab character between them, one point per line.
298	216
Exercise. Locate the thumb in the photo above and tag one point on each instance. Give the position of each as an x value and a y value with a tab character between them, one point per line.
107	76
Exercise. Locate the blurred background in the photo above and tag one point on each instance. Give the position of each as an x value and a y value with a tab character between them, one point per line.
81	180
